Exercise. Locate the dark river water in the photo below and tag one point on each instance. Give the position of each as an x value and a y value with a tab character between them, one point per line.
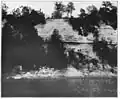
60	87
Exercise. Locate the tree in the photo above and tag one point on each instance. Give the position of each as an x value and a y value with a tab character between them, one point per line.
90	20
37	17
106	4
106	53
56	14
26	10
16	12
91	9
59	10
108	14
56	51
20	25
69	9
28	15
4	10
59	6
82	13
56	38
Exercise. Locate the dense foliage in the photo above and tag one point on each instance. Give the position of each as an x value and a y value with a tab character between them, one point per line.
89	22
19	37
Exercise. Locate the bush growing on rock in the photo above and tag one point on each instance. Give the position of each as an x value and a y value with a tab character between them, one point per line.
55	55
107	53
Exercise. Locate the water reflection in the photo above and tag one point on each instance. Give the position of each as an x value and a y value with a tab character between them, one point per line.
93	87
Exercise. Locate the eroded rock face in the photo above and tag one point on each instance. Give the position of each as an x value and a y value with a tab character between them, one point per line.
85	49
65	30
107	33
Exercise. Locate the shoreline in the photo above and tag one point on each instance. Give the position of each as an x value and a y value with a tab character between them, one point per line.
62	76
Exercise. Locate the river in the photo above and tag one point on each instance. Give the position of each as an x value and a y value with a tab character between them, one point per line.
62	87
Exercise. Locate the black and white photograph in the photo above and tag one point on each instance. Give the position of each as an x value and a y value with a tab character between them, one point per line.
59	48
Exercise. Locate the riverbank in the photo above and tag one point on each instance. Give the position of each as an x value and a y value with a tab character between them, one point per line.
70	72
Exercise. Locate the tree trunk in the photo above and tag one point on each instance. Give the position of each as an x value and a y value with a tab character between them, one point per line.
68	14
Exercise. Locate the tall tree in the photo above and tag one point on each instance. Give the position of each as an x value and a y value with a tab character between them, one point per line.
26	10
69	9
16	12
106	4
82	13
91	9
59	10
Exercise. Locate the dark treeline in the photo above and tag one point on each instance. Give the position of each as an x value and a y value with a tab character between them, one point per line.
90	21
87	21
19	37
21	44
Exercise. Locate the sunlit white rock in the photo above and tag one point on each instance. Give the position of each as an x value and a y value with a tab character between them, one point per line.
17	77
68	72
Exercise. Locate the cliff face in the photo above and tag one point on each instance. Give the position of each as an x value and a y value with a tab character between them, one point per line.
107	33
69	35
65	30
59	24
